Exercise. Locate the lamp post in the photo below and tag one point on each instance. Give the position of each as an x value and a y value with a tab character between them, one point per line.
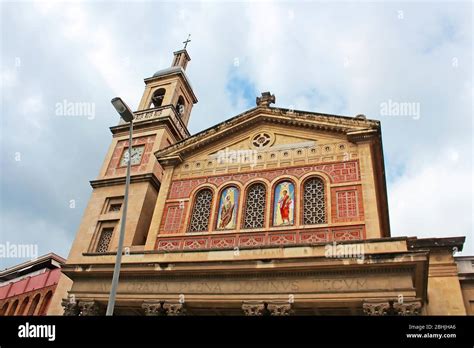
127	115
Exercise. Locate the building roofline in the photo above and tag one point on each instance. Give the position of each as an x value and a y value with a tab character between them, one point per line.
437	243
28	265
336	119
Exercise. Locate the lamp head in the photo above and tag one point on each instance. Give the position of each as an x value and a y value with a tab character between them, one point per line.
124	111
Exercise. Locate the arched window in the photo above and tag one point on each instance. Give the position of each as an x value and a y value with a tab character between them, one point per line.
22	309
228	207
314	205
255	206
180	106
13	308
45	303
158	96
4	309
201	211
34	304
284	204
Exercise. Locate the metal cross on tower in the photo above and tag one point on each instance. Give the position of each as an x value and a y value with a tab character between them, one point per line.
187	40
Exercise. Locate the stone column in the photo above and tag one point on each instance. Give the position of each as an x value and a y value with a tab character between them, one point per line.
253	308
376	307
174	308
408	307
91	308
70	308
280	308
153	308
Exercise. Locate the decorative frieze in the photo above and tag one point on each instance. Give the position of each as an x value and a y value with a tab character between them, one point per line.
147	114
259	239
339	172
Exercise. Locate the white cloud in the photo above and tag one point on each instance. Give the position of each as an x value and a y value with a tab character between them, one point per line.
31	117
433	198
8	79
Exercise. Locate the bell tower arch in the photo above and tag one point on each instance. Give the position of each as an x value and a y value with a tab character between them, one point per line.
170	89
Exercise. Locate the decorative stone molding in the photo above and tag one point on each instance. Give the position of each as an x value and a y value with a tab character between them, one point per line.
280	309
174	308
163	114
215	241
147	114
90	308
408	307
70	308
153	308
376	308
255	116
253	308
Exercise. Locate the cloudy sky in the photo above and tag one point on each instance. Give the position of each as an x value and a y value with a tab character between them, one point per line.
343	58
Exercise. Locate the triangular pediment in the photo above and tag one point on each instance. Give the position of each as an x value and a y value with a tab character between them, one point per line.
283	128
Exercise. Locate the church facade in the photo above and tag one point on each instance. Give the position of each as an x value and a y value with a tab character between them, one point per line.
271	212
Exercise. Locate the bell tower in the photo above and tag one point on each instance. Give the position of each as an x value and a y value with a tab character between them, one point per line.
170	89
160	121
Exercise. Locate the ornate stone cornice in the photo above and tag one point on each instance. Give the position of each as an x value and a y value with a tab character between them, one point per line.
155	117
170	160
449	243
300	268
362	135
241	122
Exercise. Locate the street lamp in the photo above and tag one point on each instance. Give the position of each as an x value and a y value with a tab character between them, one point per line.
127	115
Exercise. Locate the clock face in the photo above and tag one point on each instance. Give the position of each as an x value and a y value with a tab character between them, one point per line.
137	152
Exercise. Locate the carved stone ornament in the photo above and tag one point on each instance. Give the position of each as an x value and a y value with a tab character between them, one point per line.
70	308
280	309
408	307
253	308
90	308
174	308
153	308
376	308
